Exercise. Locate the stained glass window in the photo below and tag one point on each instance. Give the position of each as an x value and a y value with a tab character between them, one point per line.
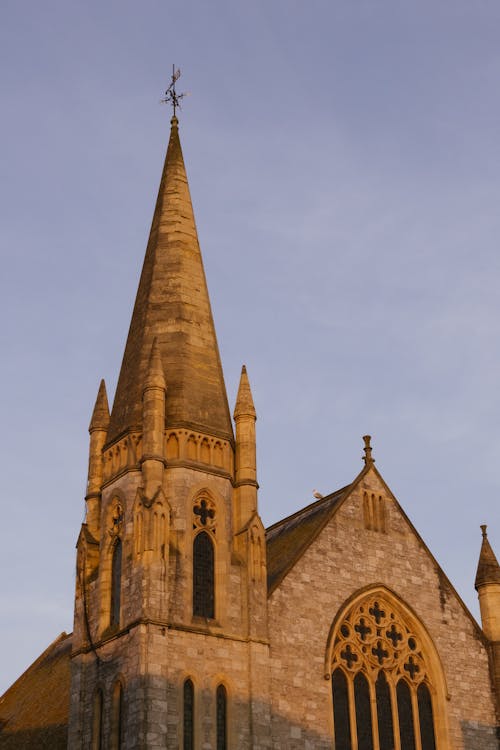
203	576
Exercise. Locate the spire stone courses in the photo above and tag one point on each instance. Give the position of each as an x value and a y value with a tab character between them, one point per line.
173	306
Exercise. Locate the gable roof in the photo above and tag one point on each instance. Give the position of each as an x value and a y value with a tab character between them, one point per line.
288	539
34	710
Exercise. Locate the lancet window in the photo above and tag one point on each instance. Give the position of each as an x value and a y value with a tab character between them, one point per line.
383	692
204	526
116	582
221	723
203	576
188	716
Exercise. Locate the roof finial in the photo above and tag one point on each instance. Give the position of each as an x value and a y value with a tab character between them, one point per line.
483	529
171	95
367	458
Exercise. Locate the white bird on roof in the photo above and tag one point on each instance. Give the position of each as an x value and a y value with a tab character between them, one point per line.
317	495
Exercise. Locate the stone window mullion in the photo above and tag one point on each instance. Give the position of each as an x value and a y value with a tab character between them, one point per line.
352	713
416	719
374	713
395	715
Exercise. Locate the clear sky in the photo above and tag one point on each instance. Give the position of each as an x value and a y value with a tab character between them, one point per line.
343	160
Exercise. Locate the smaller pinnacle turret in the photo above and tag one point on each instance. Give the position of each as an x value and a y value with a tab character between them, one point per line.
488	569
155	377
244	401
100	415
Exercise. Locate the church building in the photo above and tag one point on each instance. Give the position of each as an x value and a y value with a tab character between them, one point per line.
196	628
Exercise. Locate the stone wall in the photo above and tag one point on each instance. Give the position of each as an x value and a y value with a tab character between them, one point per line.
346	557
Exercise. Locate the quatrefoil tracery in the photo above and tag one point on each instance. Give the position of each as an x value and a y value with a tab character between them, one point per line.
374	636
204	514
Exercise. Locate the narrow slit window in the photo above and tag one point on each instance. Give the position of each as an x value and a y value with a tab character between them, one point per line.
116	583
221	700
188	715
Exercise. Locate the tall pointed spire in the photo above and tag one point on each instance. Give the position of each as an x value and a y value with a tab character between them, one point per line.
173	305
488	569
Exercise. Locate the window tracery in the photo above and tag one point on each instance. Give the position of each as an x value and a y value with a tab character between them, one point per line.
381	680
204	513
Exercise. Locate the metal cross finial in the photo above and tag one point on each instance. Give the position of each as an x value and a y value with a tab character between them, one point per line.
171	95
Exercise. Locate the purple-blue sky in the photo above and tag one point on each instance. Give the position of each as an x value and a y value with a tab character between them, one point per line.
343	160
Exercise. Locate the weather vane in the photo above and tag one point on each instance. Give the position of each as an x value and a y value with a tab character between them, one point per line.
171	95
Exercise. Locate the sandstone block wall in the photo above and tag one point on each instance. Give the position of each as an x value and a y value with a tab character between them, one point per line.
344	558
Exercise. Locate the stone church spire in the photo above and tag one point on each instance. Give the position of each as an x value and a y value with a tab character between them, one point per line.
172	305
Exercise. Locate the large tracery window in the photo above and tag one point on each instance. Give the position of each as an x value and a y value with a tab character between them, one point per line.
381	681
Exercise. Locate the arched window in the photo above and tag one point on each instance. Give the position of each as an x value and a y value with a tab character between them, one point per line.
221	700
203	576
117	717
97	720
116	582
188	715
382	681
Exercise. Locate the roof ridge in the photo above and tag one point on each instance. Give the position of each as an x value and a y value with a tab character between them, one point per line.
319	502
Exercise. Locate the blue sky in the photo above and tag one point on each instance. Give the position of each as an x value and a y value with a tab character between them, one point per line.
343	160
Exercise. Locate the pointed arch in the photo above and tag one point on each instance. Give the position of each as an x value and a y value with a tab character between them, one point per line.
385	668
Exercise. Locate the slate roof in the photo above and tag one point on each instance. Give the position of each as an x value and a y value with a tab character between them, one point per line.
34	710
288	539
172	305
